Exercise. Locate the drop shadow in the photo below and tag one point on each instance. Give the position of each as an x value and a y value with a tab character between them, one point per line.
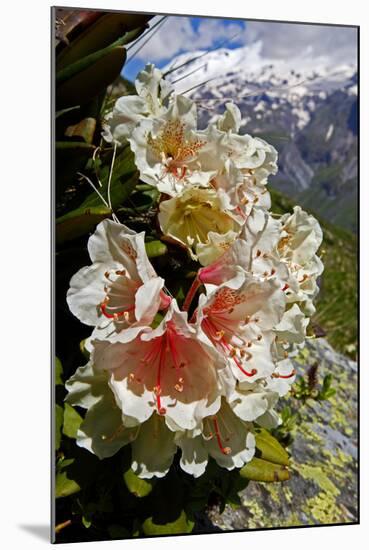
39	531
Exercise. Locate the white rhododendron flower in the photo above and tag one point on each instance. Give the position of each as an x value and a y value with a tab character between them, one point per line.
253	156
240	322
254	252
239	191
217	244
120	287
151	101
172	370
103	433
241	164
224	437
230	120
300	240
191	373
189	218
251	400
166	149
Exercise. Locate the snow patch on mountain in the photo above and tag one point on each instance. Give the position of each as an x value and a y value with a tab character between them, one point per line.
244	76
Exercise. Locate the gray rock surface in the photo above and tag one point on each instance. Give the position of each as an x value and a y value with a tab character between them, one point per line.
323	484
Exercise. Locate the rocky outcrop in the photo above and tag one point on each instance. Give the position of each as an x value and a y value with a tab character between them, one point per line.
323	484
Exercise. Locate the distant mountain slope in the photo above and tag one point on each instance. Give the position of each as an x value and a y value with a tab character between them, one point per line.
309	114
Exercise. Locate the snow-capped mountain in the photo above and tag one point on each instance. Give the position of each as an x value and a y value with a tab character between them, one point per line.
304	106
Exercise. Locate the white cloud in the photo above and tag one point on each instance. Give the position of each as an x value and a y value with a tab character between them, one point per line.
286	40
177	35
279	40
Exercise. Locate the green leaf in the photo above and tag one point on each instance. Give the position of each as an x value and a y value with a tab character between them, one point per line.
78	85
157	320
102	33
86	522
180	526
120	190
118	532
58	425
70	157
64	486
137	486
84	219
262	470
58	372
83	349
79	222
92	59
327	382
155	249
327	391
74	146
72	421
123	181
270	448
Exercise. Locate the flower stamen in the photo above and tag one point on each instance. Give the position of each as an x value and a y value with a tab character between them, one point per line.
224	450
277	375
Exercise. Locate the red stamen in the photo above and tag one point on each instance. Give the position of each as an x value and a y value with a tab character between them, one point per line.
286	287
103	307
191	293
251	373
173	351
183	172
146	361
161	410
221	340
224	450
277	375
241	213
179	386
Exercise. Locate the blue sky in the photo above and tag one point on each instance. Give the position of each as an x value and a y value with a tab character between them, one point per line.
179	34
201	32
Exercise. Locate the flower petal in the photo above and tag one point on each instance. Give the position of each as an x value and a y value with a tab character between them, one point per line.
250	401
127	112
137	406
153	450
86	386
230	121
148	300
86	292
102	431
194	457
292	327
232	435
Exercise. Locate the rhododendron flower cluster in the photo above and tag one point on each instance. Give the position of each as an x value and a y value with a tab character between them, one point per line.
192	376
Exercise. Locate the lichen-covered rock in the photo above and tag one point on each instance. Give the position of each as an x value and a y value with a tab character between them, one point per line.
323	484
